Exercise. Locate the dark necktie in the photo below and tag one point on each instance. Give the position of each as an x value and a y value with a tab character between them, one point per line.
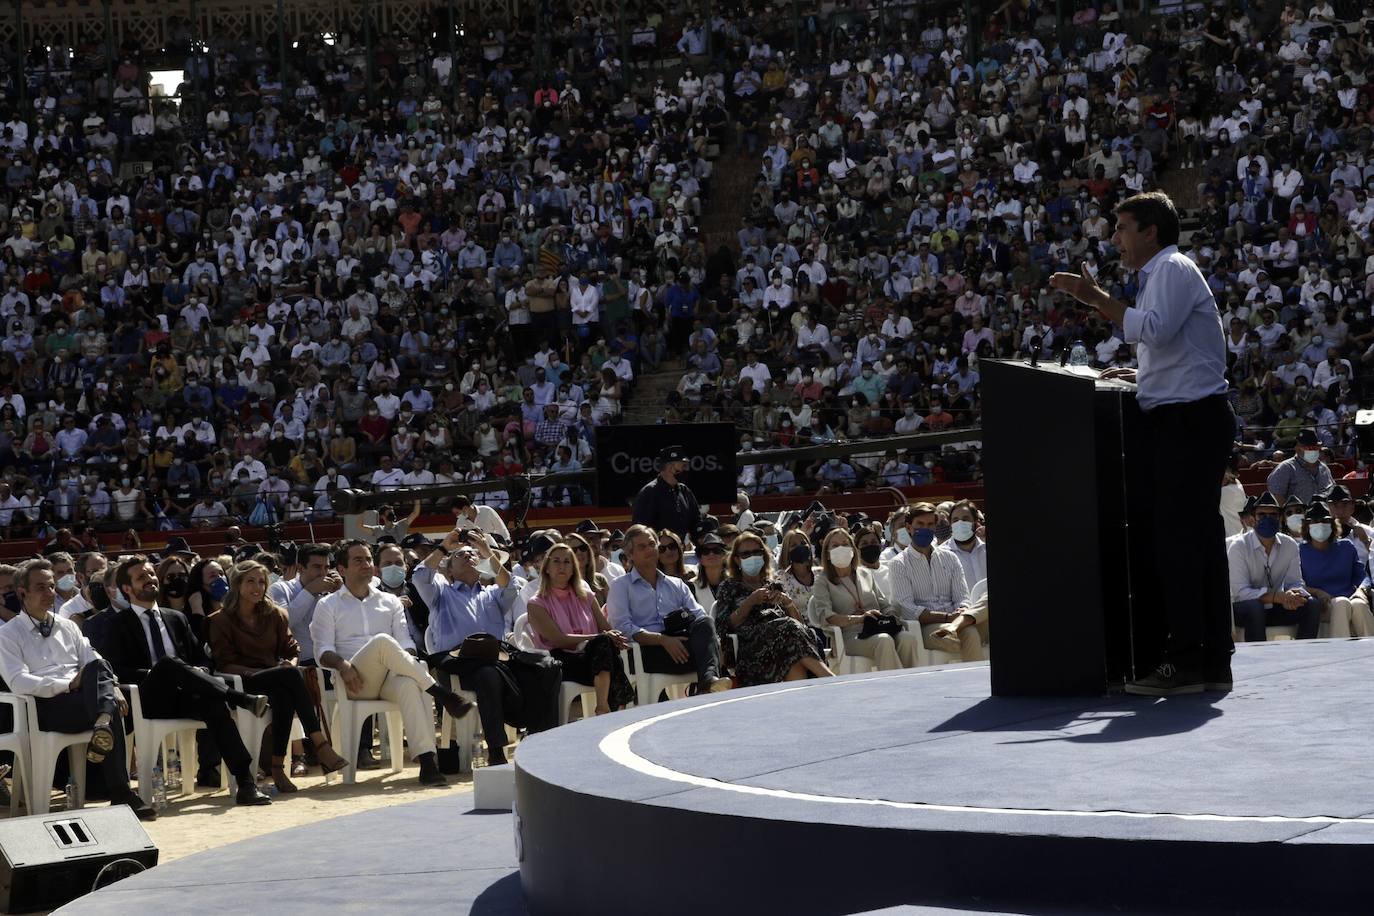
159	650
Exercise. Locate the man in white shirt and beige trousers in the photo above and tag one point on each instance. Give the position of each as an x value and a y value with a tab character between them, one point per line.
361	632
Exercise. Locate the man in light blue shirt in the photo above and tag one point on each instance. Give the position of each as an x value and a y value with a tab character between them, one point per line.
641	601
459	607
1181	350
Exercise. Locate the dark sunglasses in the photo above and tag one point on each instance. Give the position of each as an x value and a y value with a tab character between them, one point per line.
664	548
710	551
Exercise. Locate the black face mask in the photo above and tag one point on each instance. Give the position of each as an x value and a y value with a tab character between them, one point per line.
870	553
100	599
800	554
176	586
12	603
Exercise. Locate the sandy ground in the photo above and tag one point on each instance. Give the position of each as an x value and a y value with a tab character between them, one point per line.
206	820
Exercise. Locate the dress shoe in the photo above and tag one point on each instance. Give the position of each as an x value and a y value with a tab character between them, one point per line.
429	773
250	794
101	743
208	779
721	684
256	704
456	706
1168	680
369	761
142	810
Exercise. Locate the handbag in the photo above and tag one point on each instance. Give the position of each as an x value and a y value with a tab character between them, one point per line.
883	623
678	623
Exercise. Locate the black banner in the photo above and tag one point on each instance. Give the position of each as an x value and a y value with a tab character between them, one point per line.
627	459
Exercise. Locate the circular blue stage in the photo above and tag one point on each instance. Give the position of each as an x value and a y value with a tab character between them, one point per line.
916	787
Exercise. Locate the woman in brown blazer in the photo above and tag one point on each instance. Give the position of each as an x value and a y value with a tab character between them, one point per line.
251	637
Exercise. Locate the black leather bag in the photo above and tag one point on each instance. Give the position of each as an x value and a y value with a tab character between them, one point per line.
883	623
678	623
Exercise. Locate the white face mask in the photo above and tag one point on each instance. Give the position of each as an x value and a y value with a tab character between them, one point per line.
1311	456
1295	523
841	556
962	530
903	537
1320	531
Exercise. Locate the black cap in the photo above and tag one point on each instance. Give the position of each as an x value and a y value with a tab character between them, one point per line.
176	545
537	546
1249	506
1267	500
1337	494
1293	502
589	526
386	539
672	453
1308	437
617	536
710	540
1317	512
415	539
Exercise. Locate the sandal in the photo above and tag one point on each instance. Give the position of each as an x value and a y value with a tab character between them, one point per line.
331	761
297	764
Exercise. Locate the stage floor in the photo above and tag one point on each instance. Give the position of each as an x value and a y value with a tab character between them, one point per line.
906	791
927	758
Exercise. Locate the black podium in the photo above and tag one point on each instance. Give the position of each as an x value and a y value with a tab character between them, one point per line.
1075	604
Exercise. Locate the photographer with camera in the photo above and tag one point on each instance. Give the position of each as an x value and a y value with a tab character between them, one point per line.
775	641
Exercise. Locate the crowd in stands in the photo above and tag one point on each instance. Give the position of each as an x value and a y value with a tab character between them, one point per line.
294	283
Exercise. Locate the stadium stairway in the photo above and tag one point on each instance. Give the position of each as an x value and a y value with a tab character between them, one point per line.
734	183
651	392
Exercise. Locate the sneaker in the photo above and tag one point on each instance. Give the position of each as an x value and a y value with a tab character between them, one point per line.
1217	678
1166	681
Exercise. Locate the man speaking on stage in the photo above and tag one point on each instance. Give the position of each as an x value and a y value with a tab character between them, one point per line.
1181	353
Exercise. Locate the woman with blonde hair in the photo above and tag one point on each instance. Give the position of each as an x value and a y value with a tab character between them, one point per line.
846	595
775	642
586	560
250	636
566	619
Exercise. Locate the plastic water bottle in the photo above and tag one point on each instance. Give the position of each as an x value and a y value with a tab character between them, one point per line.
71	793
479	753
173	769
1078	356
159	790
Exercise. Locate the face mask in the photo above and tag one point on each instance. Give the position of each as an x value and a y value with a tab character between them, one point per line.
118	601
67	583
1294	523
771	542
1311	456
841	556
800	554
100	599
751	566
1320	531
903	537
869	553
962	530
393	576
923	537
219	588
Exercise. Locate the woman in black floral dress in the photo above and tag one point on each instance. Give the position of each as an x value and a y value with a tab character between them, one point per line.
775	643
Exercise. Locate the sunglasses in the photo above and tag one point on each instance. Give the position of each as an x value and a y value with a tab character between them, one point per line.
710	551
581	550
664	548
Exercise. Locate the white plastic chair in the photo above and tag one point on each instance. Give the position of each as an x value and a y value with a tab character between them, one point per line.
43	749
848	664
348	717
151	736
570	691
16	742
648	684
251	728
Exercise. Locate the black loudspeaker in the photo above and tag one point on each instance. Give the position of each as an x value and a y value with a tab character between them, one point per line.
47	860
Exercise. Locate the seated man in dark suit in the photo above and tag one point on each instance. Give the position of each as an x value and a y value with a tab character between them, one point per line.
153	648
46	657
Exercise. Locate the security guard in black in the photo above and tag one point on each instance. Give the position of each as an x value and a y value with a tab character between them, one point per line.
664	502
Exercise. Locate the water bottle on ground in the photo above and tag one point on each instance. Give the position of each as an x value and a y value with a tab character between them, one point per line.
71	793
479	753
159	790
